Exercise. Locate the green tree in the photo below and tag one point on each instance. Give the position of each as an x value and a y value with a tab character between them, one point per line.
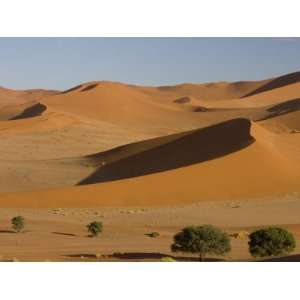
94	228
203	240
18	223
271	241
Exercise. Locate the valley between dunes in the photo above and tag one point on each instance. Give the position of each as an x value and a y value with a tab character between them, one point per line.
109	145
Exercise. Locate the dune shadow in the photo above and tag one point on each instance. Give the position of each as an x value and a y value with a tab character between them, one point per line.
30	112
203	109
282	108
71	89
63	233
89	87
276	83
7	231
176	151
182	100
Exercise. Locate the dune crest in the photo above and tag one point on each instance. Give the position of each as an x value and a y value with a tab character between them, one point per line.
172	152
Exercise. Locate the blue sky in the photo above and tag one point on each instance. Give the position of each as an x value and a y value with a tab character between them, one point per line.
60	63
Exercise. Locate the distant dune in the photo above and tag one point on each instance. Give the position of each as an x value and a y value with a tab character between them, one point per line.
276	83
114	144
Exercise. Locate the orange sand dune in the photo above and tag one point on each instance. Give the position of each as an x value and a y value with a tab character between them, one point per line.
277	83
13	102
258	170
270	97
8	96
171	152
159	111
8	112
213	91
48	121
286	123
153	145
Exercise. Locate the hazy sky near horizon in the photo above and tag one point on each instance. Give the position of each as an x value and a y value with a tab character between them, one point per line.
60	63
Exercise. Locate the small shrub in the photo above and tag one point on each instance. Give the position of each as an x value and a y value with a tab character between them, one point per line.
167	259
272	241
153	234
94	228
18	223
203	240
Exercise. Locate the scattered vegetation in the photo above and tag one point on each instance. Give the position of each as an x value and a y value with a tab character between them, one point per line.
94	228
153	234
203	240
18	223
272	241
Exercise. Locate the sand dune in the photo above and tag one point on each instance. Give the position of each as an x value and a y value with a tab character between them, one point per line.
137	145
173	152
214	91
239	175
287	123
277	83
31	111
8	96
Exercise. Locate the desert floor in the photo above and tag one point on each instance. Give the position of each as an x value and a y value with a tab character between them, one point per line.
60	234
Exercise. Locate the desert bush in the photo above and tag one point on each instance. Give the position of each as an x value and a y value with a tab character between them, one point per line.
167	259
18	223
203	240
153	234
94	228
272	241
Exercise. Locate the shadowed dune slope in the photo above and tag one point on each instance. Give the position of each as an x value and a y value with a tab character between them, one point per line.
174	151
277	83
31	111
9	96
289	122
259	170
213	91
8	112
273	111
13	102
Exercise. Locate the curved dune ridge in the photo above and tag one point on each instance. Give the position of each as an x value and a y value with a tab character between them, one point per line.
277	83
31	111
154	145
238	175
9	96
172	152
286	123
13	102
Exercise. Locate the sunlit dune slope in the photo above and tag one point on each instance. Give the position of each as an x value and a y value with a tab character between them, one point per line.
276	83
286	123
257	170
171	152
13	102
10	97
